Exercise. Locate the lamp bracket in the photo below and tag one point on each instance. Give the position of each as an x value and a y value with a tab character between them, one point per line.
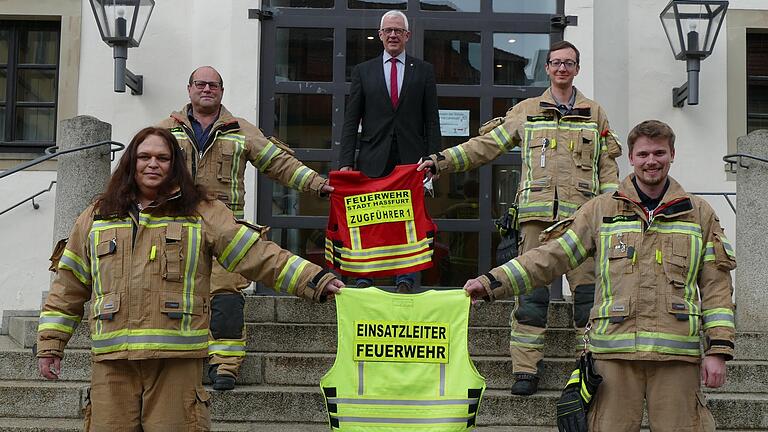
679	95
563	21
134	82
259	14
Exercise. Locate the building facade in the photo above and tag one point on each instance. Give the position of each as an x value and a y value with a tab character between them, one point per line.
288	71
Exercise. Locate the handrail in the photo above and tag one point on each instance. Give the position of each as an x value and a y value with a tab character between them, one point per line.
34	204
734	158
52	153
725	195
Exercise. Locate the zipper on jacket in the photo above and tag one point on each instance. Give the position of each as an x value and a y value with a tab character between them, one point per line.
651	214
191	138
199	154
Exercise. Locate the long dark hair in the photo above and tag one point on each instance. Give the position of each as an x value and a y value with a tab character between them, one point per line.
122	190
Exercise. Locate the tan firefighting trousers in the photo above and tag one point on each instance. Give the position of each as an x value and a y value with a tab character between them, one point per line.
158	395
670	388
226	283
529	317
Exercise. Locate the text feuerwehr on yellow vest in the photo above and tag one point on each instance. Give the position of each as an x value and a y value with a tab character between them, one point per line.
402	363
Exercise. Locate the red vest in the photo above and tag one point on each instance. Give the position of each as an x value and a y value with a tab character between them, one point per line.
378	226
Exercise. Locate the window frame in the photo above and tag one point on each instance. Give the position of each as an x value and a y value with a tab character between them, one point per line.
8	141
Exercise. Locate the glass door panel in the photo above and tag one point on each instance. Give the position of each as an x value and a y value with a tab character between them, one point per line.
304	54
304	121
455	55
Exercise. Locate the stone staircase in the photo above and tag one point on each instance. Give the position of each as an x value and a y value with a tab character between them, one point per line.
291	344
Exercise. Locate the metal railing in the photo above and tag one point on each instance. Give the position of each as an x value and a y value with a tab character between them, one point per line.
52	152
735	158
32	198
725	195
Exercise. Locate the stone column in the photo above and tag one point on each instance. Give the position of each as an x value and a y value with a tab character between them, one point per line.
81	175
752	235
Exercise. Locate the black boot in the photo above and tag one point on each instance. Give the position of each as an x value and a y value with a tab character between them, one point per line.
220	382
525	384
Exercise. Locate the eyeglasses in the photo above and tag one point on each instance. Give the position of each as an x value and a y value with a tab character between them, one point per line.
200	84
569	64
395	30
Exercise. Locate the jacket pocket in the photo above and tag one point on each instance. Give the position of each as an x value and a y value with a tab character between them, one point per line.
225	161
538	185
490	125
685	316
585	156
613	326
110	257
172	263
104	308
616	313
173	306
584	187
622	254
676	259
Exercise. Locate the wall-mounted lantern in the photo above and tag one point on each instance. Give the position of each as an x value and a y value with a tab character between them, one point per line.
692	27
121	25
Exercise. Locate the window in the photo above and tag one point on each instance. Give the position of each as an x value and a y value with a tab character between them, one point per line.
29	58
757	81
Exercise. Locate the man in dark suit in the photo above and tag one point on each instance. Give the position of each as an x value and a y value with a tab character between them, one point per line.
400	123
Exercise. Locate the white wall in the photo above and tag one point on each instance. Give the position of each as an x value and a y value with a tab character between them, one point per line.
26	236
629	67
181	35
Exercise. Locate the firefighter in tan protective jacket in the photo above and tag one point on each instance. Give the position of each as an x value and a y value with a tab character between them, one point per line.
663	281
143	255
218	147
568	153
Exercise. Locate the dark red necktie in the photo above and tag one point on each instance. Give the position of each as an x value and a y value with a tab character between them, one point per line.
393	82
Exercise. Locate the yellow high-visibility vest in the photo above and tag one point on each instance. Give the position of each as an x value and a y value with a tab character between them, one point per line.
402	363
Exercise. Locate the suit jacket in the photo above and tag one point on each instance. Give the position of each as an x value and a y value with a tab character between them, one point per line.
414	123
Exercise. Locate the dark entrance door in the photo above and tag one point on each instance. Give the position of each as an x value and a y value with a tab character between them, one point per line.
488	55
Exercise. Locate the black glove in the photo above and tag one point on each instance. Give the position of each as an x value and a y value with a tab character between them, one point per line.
507	226
578	396
571	416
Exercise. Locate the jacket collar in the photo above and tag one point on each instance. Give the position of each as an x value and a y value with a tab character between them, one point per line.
676	201
225	118
581	107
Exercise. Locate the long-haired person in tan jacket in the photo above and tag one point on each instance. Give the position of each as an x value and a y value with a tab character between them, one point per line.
142	255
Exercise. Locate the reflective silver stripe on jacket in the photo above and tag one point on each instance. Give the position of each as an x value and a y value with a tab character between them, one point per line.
409	402
401	420
150	339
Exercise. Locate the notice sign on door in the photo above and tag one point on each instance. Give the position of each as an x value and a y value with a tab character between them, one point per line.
454	122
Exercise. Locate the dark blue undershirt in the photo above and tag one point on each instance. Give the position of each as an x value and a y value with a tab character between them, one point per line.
649	203
201	135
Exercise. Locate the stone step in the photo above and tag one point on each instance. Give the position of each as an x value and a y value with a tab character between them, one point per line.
295	310
272	404
321	338
306	369
287	309
76	425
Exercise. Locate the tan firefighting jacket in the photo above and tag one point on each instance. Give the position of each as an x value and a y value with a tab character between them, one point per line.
567	160
147	280
232	142
662	279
